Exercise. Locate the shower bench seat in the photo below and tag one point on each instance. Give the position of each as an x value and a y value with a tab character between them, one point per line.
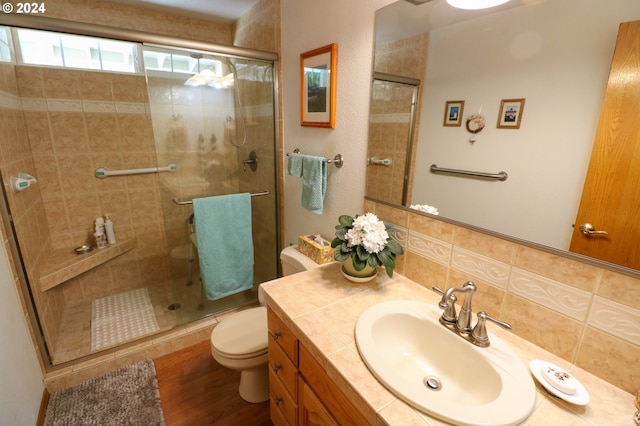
64	264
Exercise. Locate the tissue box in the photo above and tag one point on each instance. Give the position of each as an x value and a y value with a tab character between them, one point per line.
314	251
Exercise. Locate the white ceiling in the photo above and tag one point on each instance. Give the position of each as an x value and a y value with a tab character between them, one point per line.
402	19
218	10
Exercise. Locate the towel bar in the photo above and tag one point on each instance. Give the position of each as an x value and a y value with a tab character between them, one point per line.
253	194
383	162
338	160
495	176
103	172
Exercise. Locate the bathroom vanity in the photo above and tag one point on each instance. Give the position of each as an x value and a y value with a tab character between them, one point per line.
317	376
293	374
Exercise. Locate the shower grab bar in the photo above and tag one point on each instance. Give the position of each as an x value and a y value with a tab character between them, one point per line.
103	172
338	160
495	176
253	194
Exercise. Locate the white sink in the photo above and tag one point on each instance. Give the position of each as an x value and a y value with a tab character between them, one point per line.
434	370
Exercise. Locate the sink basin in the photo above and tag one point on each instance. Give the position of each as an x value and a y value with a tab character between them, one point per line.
434	370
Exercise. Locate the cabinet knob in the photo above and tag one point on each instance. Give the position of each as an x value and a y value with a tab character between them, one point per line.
276	335
276	367
277	401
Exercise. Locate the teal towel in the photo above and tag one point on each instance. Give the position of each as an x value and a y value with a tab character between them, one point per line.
225	243
313	171
294	165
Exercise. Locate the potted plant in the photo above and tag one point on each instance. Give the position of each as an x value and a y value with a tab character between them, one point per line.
363	243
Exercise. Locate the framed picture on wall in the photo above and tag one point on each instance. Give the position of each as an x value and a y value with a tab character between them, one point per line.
318	87
510	113
453	113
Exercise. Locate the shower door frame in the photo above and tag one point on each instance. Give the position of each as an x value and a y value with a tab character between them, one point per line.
411	131
149	39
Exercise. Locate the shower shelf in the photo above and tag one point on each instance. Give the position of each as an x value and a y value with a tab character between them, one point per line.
62	265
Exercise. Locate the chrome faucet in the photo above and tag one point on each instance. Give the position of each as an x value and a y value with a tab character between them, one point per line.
461	323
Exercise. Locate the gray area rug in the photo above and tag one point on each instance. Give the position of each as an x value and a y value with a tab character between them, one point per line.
126	396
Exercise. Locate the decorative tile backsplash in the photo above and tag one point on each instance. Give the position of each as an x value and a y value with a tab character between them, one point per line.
582	313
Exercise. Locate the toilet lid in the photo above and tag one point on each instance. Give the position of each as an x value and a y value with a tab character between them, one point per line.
242	333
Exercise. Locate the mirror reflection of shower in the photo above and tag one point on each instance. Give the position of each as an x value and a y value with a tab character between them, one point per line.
213	76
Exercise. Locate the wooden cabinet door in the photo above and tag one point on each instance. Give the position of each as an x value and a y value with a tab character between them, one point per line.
310	408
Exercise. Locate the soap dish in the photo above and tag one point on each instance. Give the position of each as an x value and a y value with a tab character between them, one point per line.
83	249
548	375
559	379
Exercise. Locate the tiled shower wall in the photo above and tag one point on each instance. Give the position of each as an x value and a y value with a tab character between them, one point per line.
585	314
78	121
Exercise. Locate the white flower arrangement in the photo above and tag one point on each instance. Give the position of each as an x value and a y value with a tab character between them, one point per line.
425	208
366	240
369	232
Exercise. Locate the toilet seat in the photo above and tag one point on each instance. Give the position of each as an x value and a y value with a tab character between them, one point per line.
242	335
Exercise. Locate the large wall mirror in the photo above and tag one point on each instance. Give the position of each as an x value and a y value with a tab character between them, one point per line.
554	54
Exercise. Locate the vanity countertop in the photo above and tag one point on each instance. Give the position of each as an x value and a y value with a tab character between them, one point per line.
322	307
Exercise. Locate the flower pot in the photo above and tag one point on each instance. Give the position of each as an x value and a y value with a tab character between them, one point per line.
367	274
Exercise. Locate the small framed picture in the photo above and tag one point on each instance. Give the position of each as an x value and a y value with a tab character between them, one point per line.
510	113
453	113
318	87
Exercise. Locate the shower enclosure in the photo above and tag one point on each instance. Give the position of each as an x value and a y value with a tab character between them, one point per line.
202	120
391	137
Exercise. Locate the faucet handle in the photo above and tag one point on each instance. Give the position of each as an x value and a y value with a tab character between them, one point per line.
449	316
479	334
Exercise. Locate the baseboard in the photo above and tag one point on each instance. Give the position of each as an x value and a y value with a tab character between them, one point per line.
43	407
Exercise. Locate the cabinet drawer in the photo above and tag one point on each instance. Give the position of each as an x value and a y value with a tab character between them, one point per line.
281	334
281	403
283	368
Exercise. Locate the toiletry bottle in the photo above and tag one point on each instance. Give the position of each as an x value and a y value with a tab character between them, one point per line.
108	228
101	239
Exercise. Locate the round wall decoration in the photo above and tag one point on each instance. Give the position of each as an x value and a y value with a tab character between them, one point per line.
475	124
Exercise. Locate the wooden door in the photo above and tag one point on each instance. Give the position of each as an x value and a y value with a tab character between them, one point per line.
611	194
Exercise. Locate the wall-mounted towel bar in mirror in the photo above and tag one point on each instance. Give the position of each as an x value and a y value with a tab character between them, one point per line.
493	176
381	162
103	172
338	160
253	194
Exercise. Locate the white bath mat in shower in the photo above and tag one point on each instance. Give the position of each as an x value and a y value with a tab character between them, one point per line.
121	317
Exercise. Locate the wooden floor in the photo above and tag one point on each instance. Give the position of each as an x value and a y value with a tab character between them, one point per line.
197	391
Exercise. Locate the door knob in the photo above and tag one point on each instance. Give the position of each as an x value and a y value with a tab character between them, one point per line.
588	230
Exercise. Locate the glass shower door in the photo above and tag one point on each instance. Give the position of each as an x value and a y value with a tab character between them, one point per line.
391	134
213	116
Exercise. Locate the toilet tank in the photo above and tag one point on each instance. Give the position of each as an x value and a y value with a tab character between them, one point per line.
293	261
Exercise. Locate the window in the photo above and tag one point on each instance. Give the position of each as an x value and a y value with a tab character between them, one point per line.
161	60
72	51
5	45
46	48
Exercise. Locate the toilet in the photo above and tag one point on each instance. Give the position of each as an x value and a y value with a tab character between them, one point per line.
240	341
